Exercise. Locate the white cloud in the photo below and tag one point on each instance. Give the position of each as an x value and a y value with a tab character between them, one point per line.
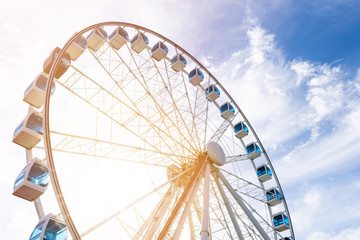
326	205
309	113
262	83
260	45
300	107
313	199
303	70
325	89
347	234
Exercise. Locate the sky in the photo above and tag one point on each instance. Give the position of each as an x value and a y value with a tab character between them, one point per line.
292	67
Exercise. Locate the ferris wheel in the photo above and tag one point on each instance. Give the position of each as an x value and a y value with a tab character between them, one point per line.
141	141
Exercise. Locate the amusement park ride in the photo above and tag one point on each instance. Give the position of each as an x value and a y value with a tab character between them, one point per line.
147	102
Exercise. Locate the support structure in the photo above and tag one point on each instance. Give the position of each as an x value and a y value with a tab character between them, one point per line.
100	223
228	208
159	216
153	214
243	206
182	199
187	209
135	71
205	213
191	224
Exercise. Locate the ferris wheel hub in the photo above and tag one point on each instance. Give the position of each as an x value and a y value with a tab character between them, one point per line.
216	153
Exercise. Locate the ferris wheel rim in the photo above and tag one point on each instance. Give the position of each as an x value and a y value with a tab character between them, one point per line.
47	139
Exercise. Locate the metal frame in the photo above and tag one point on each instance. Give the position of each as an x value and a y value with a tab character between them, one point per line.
177	154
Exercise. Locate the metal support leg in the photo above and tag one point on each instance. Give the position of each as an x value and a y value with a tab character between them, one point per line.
160	214
186	211
204	233
198	209
152	216
228	207
191	223
243	206
180	203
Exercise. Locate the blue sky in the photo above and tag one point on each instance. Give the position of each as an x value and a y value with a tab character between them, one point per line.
292	66
317	30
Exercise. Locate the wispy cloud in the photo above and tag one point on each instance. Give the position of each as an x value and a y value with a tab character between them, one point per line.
317	209
296	101
305	110
347	234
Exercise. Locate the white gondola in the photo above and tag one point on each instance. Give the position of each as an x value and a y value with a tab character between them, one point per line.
32	181
77	47
139	42
49	227
264	173
96	39
118	38
227	110
241	130
196	76
178	62
253	150
212	92
281	222
159	51
273	197
35	92
62	67
29	132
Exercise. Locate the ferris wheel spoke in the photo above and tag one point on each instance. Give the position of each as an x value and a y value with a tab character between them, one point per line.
248	183
127	207
256	193
236	158
241	203
135	103
143	84
201	109
206	114
180	97
178	113
266	223
125	226
159	107
182	199
250	230
197	107
198	114
99	148
190	108
99	97
220	131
